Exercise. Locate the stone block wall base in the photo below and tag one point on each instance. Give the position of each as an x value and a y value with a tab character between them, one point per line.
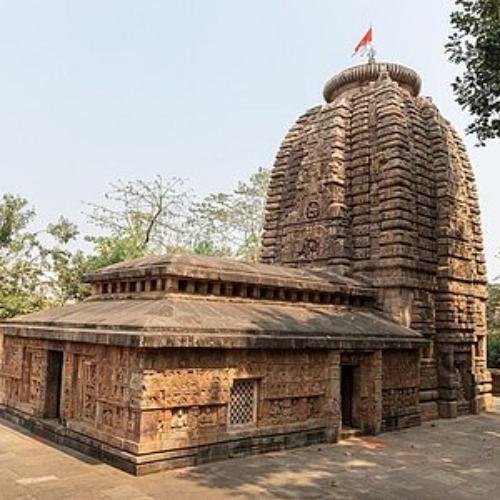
400	422
448	409
153	462
483	402
429	411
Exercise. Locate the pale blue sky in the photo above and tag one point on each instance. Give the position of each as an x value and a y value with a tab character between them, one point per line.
92	91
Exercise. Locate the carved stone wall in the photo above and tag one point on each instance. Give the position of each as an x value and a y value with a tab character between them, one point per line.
186	393
167	407
101	385
376	183
144	401
22	375
400	389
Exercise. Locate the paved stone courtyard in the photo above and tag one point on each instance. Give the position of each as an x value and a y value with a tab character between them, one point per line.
442	459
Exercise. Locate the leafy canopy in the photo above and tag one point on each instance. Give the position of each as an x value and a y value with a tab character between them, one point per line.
475	44
36	268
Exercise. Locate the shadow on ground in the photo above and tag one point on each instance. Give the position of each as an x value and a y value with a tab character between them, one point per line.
47	442
442	459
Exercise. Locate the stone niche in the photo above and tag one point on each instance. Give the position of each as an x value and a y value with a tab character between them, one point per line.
366	399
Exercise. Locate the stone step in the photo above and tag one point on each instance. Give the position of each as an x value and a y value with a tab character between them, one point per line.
349	432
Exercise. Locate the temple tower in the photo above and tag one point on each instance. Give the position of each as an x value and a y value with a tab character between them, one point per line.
376	184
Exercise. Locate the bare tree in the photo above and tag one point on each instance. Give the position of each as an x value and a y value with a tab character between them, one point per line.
152	214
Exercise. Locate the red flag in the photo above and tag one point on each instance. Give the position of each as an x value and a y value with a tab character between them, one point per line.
366	40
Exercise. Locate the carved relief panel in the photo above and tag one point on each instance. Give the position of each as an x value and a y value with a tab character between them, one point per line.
315	228
23	373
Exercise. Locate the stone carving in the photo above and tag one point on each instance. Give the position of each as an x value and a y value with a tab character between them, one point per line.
310	249
312	210
179	418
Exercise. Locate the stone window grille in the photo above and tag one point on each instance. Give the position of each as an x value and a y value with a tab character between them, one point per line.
243	403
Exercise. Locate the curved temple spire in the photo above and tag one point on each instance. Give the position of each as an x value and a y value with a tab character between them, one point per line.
375	183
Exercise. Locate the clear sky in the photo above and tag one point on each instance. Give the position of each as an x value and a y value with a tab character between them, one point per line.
93	91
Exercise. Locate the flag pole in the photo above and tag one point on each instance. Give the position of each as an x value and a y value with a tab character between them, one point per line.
371	55
371	50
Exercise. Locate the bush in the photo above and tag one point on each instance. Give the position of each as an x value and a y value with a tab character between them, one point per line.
493	347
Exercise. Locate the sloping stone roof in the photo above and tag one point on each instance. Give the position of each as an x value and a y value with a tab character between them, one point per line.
182	318
203	322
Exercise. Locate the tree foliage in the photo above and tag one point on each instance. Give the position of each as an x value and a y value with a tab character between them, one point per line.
493	306
493	325
475	43
34	266
230	224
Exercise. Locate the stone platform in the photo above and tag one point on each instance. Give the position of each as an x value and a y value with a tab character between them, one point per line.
457	458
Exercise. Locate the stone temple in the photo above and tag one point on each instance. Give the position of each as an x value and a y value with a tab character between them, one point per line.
367	311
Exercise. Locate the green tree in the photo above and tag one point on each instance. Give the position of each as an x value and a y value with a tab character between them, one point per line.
493	325
67	271
113	249
493	306
33	264
231	223
475	43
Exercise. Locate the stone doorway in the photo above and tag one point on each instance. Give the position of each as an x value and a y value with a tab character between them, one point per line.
348	394
52	408
361	390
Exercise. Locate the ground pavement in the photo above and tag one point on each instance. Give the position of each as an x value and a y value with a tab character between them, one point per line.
442	459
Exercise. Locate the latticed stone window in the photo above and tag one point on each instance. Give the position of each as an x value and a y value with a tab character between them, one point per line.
243	402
